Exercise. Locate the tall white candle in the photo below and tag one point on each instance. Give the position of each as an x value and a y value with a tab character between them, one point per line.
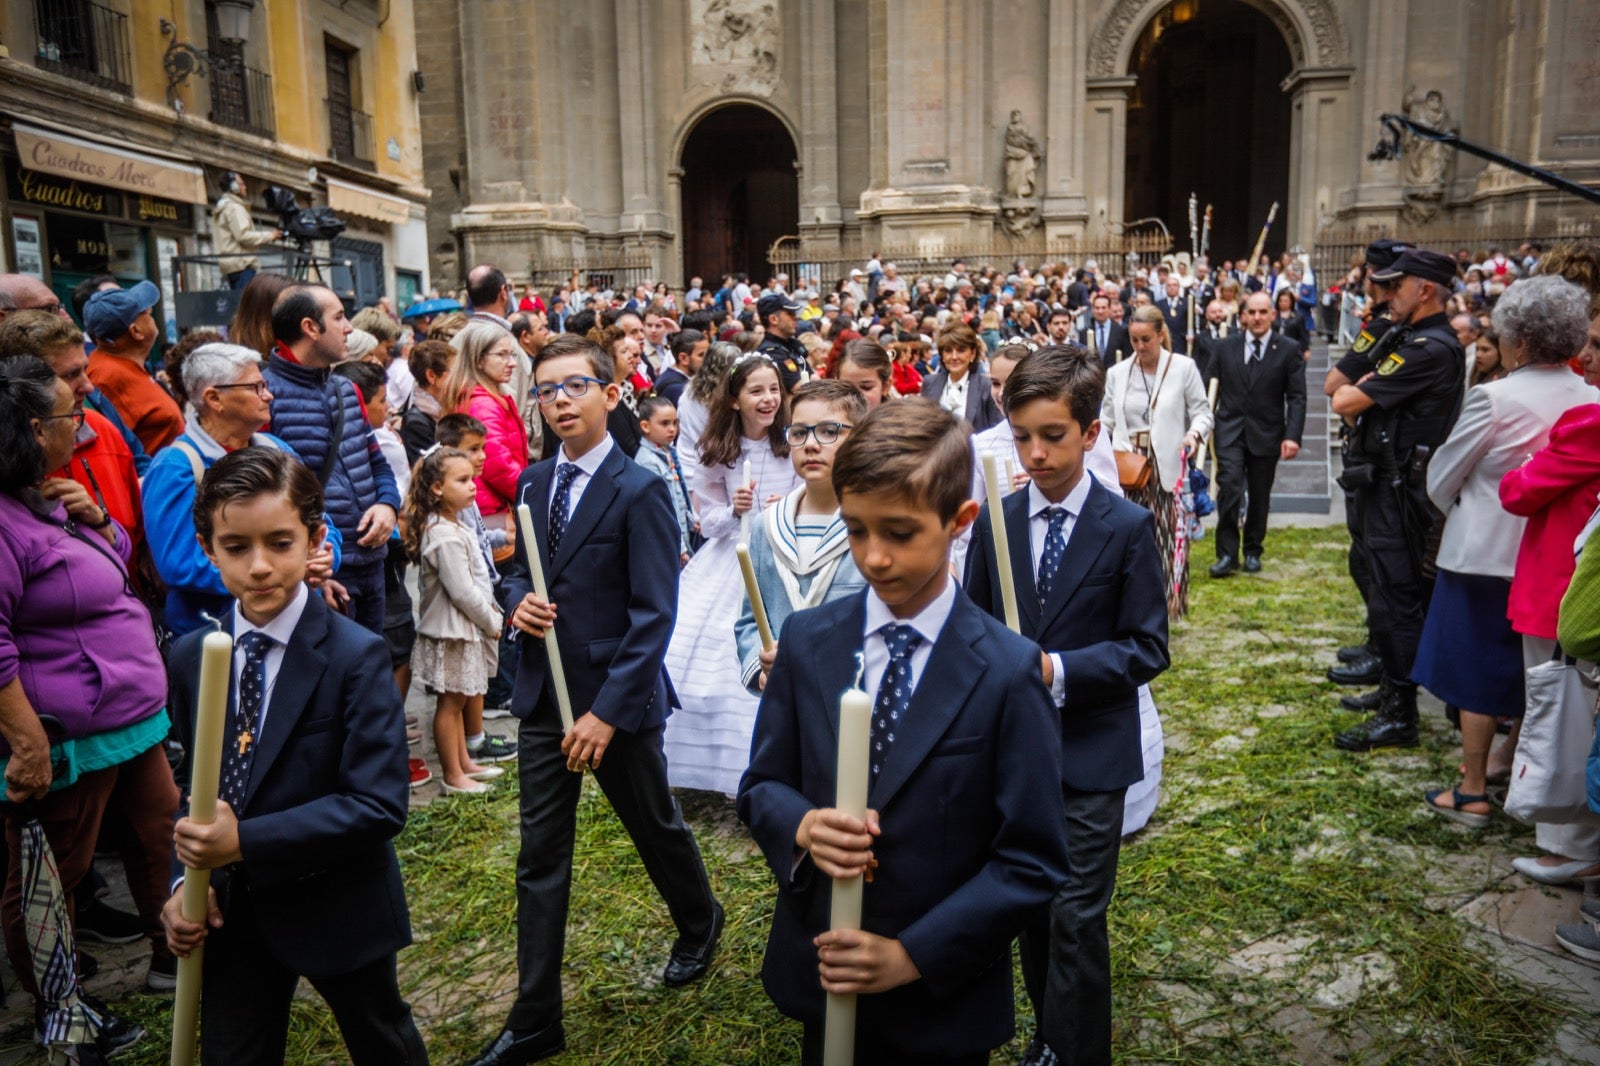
1211	397
744	520
855	747
758	606
1002	548
558	673
205	766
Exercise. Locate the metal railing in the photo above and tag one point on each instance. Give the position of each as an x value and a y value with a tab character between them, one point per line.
1338	247
350	135
86	41
619	273
241	99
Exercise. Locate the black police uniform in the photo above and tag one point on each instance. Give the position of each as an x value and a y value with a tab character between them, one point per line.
1378	337
789	354
1417	391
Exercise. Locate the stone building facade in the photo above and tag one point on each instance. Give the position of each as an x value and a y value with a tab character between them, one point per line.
692	133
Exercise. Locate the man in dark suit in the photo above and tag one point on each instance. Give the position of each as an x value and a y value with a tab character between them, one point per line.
314	785
1174	307
689	347
1261	413
1102	623
1102	337
607	538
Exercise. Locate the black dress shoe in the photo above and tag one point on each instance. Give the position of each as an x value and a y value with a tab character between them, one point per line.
690	964
1224	566
1394	726
515	1047
1360	672
1367	701
1039	1054
1355	651
1252	564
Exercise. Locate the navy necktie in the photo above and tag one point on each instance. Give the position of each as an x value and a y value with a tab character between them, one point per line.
1055	549
243	733
566	474
894	691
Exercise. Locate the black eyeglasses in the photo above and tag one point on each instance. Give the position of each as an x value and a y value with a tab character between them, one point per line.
260	386
76	416
49	309
575	387
825	432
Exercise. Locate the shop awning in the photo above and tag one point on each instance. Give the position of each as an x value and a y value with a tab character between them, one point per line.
355	200
114	164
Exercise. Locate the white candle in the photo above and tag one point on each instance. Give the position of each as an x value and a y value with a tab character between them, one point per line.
758	606
1002	548
1211	397
558	674
1011	474
853	777
1119	355
205	766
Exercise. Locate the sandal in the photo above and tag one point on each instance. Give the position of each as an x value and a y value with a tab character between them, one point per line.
1455	813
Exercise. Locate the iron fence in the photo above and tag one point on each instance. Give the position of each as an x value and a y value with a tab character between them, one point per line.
241	99
1339	247
350	135
618	275
85	41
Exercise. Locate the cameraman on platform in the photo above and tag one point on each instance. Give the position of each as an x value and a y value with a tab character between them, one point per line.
234	232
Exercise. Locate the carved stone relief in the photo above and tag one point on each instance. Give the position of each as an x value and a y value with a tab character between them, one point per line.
1329	44
734	44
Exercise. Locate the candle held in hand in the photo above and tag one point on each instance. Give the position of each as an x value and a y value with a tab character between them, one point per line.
850	796
205	766
558	673
1002	547
758	606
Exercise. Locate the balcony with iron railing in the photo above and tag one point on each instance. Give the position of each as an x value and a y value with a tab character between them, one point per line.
350	136
86	41
241	99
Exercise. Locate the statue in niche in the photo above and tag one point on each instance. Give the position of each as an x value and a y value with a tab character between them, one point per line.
1423	163
1022	160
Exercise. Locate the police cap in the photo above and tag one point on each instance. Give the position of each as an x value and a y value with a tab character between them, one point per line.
1429	266
1382	254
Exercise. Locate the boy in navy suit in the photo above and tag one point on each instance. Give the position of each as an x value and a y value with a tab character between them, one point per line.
1090	591
608	540
963	832
314	785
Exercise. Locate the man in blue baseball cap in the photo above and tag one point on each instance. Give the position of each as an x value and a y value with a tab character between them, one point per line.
124	330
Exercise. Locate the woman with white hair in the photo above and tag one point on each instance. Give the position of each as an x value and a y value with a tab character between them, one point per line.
228	403
1470	654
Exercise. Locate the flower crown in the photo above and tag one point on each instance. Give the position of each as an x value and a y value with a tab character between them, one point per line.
750	357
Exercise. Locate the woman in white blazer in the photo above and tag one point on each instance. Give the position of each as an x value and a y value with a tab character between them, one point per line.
1469	655
1155	405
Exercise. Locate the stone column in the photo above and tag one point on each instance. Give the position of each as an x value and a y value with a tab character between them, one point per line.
1319	115
1105	149
1066	209
820	213
644	219
1376	194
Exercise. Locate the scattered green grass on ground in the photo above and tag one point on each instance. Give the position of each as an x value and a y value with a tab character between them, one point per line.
1289	902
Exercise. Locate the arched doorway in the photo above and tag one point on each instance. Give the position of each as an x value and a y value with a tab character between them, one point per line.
1208	115
740	192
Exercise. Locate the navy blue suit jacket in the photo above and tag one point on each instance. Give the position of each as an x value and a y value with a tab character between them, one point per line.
329	788
615	586
973	826
1106	616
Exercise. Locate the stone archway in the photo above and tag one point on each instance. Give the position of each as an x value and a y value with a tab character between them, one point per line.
739	190
1318	85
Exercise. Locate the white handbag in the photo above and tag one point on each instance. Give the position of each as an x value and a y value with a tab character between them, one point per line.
1548	774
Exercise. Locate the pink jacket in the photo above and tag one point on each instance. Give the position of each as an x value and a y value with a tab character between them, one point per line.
505	449
1555	490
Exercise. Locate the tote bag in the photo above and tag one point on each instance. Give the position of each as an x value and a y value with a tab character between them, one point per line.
1548	776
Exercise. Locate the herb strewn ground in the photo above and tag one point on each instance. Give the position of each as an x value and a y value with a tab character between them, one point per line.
1289	903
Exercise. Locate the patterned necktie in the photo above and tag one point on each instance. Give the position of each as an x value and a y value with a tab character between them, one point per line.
566	474
244	725
1255	351
894	691
1055	549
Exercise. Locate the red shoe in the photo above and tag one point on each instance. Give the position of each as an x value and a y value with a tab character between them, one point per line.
420	774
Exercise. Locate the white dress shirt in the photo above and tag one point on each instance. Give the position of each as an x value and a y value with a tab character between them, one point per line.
928	622
280	629
588	465
954	397
1038	528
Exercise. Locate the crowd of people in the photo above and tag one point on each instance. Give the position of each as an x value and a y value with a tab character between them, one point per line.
350	496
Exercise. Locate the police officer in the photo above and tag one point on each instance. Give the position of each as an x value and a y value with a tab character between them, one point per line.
779	318
1360	665
1404	408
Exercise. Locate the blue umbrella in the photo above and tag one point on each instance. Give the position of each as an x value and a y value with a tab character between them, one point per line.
423	308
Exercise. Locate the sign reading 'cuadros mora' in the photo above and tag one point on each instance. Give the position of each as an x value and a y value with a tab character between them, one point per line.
101	164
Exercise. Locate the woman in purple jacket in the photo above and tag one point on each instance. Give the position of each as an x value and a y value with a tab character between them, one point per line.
82	688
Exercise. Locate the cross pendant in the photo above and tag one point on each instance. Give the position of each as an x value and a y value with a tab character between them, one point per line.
244	741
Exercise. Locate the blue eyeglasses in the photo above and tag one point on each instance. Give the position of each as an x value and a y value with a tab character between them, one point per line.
575	387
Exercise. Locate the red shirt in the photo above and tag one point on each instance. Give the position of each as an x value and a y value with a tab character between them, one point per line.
144	406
